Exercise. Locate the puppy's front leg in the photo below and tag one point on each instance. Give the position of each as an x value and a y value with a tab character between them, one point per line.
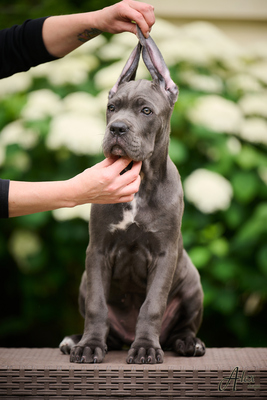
92	346
146	347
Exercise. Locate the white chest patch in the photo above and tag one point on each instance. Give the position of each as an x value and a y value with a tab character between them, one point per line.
128	218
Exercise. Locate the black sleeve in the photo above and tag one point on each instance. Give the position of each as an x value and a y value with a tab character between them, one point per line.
4	188
22	47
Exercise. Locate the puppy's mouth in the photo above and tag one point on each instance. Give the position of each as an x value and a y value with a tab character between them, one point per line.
117	150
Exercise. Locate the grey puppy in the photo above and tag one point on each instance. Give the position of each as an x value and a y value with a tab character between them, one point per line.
140	288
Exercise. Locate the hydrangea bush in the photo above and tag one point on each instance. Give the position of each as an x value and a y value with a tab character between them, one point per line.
52	122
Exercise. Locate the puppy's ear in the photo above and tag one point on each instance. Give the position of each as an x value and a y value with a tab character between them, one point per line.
156	66
129	70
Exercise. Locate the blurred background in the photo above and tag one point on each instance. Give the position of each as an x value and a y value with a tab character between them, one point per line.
52	122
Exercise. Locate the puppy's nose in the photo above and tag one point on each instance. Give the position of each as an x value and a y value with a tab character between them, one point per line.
118	128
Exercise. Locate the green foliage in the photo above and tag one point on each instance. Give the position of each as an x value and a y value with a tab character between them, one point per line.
42	255
20	10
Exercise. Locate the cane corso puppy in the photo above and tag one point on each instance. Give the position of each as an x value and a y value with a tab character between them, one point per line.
140	288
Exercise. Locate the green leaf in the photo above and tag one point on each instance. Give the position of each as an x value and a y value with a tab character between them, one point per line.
255	226
177	151
225	270
249	158
200	256
262	260
235	215
245	186
226	301
219	247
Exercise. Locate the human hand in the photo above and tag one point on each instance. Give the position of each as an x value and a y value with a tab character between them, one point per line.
120	16
103	183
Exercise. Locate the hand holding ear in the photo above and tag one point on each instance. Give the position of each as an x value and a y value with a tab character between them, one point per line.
120	16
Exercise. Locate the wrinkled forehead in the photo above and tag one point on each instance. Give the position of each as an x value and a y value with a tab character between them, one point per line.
146	91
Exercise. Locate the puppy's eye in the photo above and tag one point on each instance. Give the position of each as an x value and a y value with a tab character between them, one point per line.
111	107
146	111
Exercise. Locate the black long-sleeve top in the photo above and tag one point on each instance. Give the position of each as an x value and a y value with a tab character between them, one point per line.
21	47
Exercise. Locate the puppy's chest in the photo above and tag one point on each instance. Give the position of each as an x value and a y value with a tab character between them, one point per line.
129	217
131	246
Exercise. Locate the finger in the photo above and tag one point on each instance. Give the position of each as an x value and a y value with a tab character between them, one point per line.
131	188
118	165
130	176
106	162
144	15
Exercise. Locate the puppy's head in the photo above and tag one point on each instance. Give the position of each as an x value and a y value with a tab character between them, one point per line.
136	115
138	111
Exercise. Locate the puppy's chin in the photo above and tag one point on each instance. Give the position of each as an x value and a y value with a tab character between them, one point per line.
118	151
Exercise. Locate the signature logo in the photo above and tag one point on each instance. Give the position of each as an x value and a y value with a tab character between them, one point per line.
236	377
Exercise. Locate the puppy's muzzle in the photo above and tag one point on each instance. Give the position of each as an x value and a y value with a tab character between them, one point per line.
118	128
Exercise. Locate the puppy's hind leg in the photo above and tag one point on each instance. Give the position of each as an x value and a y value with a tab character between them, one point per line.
68	343
183	337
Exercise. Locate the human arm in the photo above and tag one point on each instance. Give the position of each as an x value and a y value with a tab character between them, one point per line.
100	184
46	39
22	47
62	34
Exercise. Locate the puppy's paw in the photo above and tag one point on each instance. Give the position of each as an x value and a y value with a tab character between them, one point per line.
87	354
141	355
189	347
68	343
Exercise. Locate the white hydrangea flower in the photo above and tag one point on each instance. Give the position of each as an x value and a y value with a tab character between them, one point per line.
259	49
243	82
24	243
259	70
125	40
15	84
16	133
208	191
83	103
205	43
254	104
254	130
113	51
67	70
205	83
82	211
21	162
185	49
82	134
106	78
216	113
41	103
234	145
163	30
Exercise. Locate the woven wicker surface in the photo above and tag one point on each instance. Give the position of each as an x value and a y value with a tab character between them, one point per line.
215	358
48	374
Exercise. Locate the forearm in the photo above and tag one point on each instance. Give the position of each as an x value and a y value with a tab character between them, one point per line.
101	184
32	197
63	34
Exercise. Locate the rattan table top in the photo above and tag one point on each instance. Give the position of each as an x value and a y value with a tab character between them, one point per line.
214	359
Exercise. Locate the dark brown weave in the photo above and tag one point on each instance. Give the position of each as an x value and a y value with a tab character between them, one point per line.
48	374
